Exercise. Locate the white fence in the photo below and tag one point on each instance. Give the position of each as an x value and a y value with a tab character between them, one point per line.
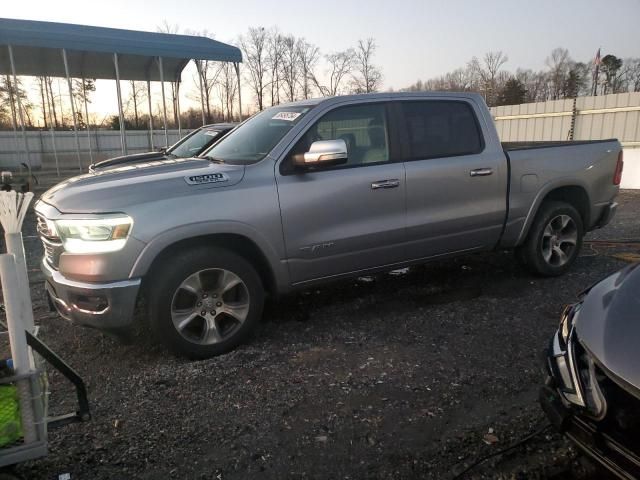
586	118
98	145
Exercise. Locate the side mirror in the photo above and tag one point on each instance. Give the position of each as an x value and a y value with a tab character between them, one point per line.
324	152
161	149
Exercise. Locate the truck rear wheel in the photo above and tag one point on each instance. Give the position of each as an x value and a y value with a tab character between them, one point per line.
205	302
554	240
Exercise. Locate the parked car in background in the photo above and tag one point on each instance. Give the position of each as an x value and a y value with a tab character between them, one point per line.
309	192
592	393
190	146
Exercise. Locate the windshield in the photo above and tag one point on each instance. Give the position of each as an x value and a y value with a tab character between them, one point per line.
193	144
254	139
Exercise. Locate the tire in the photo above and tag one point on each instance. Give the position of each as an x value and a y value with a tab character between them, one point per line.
554	240
205	302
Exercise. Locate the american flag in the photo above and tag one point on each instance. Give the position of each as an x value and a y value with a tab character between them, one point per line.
597	59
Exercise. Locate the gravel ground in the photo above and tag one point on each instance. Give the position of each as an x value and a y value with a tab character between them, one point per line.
394	376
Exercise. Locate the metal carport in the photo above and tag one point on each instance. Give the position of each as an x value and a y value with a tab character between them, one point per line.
35	48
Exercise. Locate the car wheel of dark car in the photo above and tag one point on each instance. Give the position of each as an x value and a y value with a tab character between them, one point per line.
205	302
554	240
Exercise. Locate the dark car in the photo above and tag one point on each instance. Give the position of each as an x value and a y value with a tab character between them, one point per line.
592	393
190	146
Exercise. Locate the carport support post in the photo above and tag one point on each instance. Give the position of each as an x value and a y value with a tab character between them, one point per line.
14	123
178	109
86	117
73	106
20	114
199	67
237	67
150	115
123	138
51	127
164	103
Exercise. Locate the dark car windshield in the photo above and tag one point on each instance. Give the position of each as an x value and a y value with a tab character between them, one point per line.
193	144
254	139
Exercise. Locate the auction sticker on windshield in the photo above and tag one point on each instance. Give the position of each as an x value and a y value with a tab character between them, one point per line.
288	116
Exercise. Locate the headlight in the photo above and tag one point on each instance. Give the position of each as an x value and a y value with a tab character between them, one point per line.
99	235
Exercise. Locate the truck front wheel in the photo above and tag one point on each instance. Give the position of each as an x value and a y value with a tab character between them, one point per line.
554	240
205	301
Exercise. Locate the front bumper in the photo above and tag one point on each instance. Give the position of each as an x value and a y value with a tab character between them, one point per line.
586	434
105	306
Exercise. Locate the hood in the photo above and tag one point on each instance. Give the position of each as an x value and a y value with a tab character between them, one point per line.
608	323
128	159
114	189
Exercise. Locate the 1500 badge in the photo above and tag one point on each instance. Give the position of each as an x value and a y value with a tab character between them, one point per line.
206	178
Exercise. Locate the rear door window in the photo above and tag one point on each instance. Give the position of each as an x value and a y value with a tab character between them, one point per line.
440	129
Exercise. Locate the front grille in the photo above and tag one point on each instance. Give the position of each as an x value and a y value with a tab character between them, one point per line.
50	241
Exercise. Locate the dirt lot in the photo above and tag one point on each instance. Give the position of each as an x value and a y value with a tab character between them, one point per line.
393	376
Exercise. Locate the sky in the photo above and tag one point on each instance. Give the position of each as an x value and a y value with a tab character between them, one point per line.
416	39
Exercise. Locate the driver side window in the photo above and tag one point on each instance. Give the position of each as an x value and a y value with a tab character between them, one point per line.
362	127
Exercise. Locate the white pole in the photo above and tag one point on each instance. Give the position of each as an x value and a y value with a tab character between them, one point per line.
164	103
18	340
150	114
20	114
86	117
123	138
73	107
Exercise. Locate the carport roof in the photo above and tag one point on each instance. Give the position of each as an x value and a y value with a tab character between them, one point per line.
37	51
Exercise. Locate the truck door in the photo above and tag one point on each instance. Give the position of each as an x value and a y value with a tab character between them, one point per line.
456	184
350	217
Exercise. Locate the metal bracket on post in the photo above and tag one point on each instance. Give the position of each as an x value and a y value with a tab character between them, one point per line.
73	107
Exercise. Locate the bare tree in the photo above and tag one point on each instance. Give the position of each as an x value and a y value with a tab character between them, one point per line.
208	72
493	62
227	90
289	67
81	91
137	96
340	66
308	55
167	27
368	77
633	74
274	60
255	48
558	63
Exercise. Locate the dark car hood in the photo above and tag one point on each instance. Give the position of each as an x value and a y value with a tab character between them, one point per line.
128	159
608	324
114	189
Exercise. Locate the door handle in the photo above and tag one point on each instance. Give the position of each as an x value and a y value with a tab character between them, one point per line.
393	183
481	172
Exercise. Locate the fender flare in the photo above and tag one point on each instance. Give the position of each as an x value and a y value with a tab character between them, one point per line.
200	229
540	197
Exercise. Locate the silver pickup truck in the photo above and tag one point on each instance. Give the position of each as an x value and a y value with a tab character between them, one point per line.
309	192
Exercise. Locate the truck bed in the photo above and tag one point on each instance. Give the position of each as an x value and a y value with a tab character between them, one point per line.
511	146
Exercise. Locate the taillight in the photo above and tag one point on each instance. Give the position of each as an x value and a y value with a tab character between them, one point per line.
617	176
